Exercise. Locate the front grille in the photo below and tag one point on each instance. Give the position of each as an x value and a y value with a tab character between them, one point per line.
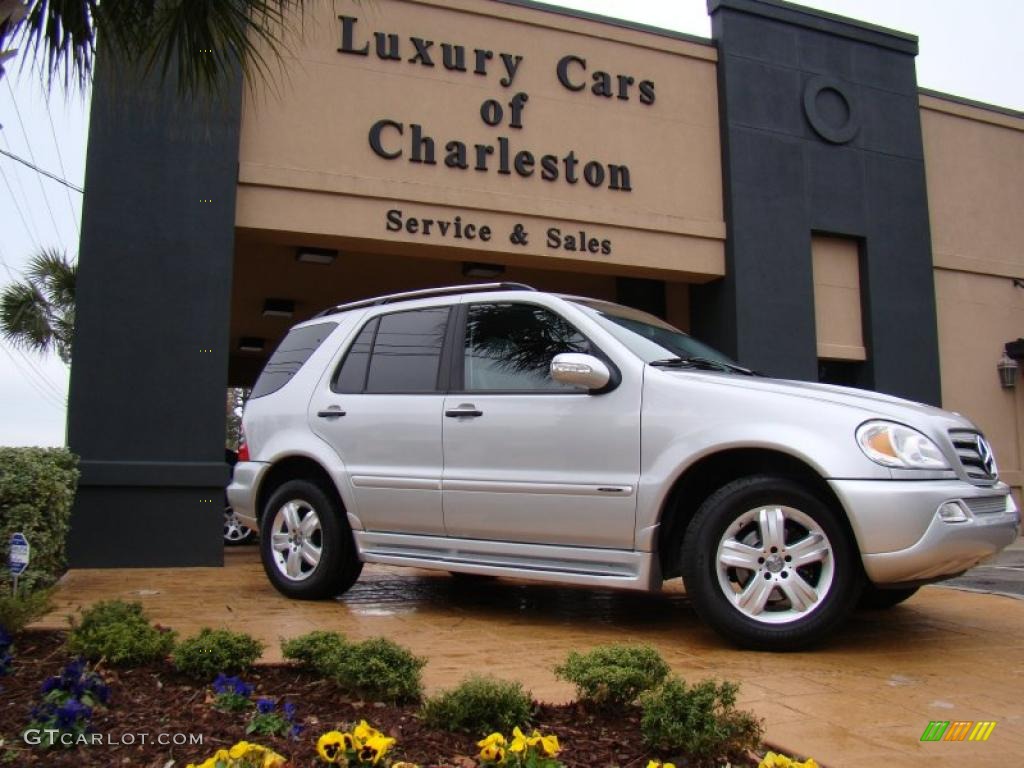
975	456
986	505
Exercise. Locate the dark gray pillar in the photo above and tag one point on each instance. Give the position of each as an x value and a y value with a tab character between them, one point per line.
146	407
820	134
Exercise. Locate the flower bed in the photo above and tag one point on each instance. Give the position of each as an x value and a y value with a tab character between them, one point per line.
282	716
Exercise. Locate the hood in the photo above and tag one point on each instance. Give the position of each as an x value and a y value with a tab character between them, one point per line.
874	404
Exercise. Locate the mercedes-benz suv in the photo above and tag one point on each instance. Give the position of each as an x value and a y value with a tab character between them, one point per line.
498	430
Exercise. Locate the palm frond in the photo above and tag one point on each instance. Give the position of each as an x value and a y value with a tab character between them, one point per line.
198	42
25	317
52	272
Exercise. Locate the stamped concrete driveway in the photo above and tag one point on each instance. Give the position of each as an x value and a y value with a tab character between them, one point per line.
863	699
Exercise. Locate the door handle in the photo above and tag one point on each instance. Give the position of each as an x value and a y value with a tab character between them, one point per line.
464	410
331	414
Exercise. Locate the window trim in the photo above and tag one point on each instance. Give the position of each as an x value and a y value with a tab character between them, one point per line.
458	363
442	373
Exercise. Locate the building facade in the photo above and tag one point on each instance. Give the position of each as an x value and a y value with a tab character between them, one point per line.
784	190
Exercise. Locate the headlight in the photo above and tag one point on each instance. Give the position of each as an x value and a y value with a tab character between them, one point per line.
894	445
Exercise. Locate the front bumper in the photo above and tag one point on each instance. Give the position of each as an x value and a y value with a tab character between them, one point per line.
242	493
903	539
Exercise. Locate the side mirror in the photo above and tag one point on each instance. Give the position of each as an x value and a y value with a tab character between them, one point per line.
580	370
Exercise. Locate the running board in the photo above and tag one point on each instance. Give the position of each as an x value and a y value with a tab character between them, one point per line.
621	569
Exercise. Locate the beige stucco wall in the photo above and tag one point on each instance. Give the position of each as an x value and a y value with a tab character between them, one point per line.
974	160
307	167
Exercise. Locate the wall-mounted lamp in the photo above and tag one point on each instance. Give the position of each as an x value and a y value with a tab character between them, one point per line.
1008	370
309	255
481	269
278	307
251	344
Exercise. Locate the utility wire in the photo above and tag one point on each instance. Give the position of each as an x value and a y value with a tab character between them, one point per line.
30	231
60	162
47	397
31	154
53	176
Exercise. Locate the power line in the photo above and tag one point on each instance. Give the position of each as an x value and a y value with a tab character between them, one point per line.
28	144
30	231
53	176
47	397
60	162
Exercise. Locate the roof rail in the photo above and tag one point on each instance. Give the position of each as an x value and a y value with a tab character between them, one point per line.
426	293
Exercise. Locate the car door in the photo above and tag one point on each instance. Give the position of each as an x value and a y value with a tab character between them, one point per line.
381	411
528	459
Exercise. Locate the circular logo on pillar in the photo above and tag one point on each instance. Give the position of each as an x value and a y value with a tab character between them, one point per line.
831	110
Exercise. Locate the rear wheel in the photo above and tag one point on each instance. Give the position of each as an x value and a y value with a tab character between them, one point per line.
875	599
306	543
769	565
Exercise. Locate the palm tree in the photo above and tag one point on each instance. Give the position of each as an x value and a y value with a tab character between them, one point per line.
38	313
200	42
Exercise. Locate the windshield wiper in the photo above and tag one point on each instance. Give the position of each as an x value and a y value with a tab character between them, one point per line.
703	363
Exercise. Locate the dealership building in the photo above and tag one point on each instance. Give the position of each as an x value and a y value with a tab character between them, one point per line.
784	190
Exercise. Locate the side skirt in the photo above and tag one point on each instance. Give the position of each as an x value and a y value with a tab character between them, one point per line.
621	569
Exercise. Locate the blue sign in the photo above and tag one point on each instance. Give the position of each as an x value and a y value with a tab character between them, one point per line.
18	560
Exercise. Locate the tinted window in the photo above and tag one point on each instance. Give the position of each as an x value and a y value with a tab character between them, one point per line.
407	351
510	347
289	357
351	376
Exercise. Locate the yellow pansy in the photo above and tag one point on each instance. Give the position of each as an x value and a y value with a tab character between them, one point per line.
773	760
240	750
659	764
374	748
519	741
549	744
272	760
494	740
364	731
331	746
808	763
493	753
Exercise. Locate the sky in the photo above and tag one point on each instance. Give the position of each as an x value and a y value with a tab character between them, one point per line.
968	48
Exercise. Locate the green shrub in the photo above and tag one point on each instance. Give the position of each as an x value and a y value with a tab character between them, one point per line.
613	675
212	651
17	611
380	669
37	486
700	720
479	705
119	633
317	651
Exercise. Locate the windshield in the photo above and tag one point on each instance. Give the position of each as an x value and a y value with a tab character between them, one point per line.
647	336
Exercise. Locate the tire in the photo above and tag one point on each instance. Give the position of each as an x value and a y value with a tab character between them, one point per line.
234	532
875	599
330	565
739	525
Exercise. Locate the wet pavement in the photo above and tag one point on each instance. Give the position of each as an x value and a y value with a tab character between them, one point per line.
864	698
1004	575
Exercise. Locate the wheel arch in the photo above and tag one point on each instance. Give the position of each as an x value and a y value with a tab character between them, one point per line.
295	467
705	476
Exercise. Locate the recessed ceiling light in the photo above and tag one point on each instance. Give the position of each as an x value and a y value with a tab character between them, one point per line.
311	255
481	269
251	344
278	307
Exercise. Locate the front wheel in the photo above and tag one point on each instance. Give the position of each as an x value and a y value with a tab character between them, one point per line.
769	565
306	543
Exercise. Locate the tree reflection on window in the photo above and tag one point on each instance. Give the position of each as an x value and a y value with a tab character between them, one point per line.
510	347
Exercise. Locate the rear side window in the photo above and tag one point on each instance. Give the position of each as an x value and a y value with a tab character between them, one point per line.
395	354
289	357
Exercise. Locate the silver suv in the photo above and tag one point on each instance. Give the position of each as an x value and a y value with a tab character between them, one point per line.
497	430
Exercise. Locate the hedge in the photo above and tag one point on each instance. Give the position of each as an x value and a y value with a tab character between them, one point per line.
37	487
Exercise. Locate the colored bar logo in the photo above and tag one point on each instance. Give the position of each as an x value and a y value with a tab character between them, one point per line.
958	730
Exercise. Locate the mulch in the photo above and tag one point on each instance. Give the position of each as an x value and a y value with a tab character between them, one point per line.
149	701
